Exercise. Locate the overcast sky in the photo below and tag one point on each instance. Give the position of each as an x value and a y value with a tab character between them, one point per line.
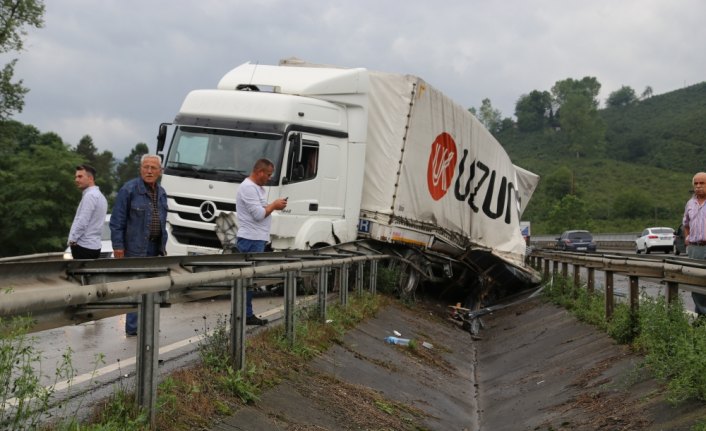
115	69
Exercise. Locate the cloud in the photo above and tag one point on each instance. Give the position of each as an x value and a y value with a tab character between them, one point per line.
116	69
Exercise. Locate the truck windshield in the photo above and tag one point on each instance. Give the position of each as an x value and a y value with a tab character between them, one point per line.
221	155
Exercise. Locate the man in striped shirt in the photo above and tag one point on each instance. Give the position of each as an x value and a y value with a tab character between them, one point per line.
695	231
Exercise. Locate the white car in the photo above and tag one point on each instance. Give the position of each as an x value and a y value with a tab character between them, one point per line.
106	243
654	239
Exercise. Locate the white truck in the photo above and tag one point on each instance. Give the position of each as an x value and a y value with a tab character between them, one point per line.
358	154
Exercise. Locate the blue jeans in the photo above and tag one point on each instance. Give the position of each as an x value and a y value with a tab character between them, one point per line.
245	245
153	249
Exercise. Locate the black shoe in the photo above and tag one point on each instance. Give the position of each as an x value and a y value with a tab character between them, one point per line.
254	320
131	334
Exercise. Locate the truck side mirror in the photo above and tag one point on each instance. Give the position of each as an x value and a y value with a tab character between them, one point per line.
295	147
161	136
295	156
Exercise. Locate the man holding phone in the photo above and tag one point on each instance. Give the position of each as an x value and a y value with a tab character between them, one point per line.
254	219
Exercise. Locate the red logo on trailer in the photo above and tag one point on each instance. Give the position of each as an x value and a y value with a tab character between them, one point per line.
442	163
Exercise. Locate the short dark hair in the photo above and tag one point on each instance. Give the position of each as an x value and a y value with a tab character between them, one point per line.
262	164
88	168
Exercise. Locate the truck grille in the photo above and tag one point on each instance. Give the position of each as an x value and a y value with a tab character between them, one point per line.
196	237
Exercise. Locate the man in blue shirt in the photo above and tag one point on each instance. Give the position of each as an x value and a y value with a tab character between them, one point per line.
254	219
138	223
86	229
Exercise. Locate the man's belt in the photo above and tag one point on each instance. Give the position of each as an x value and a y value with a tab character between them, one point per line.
699	243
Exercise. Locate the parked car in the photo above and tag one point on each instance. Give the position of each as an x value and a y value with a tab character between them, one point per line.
655	239
679	246
576	240
106	243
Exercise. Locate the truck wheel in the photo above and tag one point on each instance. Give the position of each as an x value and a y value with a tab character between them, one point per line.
409	277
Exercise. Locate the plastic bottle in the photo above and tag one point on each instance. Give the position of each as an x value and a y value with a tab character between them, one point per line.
397	340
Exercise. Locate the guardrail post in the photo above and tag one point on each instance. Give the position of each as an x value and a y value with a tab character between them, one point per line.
323	292
290	296
672	291
359	278
634	293
609	298
343	283
577	279
373	276
237	324
148	354
591	284
555	267
547	262
564	269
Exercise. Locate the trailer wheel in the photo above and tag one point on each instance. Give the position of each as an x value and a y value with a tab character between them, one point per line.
409	277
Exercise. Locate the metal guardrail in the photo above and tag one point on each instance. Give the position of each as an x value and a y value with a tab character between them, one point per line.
675	274
56	293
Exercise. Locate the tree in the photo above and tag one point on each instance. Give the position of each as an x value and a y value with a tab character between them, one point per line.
103	162
569	213
490	117
588	86
576	105
129	168
632	204
581	125
38	196
559	183
623	97
646	93
534	111
15	15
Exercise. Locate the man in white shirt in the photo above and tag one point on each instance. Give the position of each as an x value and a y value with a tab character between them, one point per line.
87	227
254	219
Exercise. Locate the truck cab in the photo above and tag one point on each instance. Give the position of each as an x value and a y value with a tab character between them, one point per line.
313	129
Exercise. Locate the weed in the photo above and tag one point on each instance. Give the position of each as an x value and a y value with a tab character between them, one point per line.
239	383
699	426
387	279
22	396
384	406
214	348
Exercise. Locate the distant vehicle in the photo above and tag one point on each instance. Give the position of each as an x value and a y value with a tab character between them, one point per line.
106	243
679	246
655	239
576	240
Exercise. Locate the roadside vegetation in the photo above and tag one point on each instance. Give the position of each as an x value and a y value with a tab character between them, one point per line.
193	397
673	343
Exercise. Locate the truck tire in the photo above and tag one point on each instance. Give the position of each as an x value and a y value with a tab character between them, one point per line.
409	277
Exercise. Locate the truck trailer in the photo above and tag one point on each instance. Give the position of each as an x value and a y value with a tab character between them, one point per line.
359	154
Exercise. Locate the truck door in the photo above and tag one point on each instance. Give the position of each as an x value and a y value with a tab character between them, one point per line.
313	179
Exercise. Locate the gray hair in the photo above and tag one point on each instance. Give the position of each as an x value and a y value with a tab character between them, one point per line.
150	156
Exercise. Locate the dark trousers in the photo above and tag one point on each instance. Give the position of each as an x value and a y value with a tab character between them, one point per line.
153	249
79	252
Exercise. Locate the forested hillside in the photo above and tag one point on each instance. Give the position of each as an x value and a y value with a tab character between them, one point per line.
635	170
